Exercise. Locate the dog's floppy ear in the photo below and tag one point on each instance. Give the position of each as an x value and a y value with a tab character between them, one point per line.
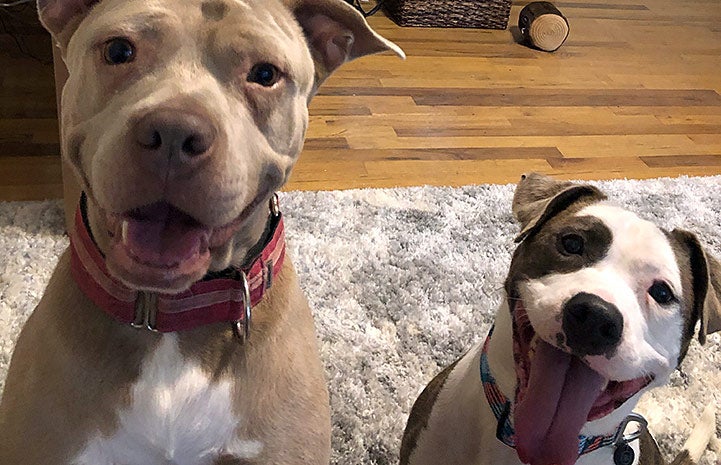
539	197
336	33
61	17
705	272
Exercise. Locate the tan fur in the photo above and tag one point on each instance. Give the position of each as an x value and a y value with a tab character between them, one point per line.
56	390
54	398
74	367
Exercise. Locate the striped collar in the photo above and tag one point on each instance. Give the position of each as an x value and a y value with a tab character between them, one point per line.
227	296
501	407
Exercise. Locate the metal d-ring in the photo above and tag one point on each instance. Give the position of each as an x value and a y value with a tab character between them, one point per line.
631	418
241	327
623	453
274	204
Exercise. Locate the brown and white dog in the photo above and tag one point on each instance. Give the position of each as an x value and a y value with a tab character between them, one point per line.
181	118
600	307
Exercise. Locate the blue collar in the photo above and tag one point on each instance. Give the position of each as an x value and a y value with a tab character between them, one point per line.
501	407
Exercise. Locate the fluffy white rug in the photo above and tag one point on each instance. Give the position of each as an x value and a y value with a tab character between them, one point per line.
402	281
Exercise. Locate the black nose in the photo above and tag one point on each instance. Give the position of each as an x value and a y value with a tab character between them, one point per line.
592	325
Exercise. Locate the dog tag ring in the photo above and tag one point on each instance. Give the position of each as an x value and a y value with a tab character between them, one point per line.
623	455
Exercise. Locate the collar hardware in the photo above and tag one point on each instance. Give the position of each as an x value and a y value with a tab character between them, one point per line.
621	438
145	312
623	454
241	326
275	205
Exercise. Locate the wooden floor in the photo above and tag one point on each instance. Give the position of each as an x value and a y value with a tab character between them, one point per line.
635	92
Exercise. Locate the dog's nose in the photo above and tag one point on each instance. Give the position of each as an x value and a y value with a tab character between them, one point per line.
173	132
592	325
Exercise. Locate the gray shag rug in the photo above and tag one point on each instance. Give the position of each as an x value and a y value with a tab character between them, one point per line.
402	281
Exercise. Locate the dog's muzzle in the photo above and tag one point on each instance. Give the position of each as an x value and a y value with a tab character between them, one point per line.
592	325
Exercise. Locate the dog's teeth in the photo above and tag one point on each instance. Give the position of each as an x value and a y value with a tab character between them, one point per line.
124	231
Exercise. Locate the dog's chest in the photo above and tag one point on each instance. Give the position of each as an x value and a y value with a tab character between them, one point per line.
177	416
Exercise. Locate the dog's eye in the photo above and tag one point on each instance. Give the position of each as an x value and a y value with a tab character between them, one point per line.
119	51
660	292
264	74
572	244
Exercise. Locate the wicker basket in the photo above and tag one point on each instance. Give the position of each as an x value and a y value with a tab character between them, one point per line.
485	14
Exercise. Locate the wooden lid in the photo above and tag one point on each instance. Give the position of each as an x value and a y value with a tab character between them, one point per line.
548	32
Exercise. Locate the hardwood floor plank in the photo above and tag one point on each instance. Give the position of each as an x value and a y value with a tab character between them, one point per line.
443	154
334	143
634	92
670	161
28	149
567	97
556	129
30	178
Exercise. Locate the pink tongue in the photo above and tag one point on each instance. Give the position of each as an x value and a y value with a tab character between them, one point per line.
164	236
555	405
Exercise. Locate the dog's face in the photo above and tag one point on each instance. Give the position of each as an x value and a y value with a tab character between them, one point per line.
604	304
182	117
604	285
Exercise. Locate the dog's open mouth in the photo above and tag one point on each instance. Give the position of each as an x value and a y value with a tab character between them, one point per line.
160	247
557	393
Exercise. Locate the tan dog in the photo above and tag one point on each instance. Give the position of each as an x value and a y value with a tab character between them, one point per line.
600	306
182	118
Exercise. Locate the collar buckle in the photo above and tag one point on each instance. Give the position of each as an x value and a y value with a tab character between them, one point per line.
241	326
146	312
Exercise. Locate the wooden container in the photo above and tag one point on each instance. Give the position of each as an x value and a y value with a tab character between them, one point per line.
543	26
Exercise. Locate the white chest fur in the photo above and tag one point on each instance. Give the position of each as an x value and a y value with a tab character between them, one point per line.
177	416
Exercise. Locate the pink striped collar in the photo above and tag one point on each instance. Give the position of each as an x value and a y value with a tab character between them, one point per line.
228	298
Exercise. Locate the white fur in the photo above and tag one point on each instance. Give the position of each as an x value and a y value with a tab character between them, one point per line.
639	255
177	416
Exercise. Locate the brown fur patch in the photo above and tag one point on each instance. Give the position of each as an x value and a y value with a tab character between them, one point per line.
691	299
650	454
701	275
214	10
421	413
542	253
538	198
